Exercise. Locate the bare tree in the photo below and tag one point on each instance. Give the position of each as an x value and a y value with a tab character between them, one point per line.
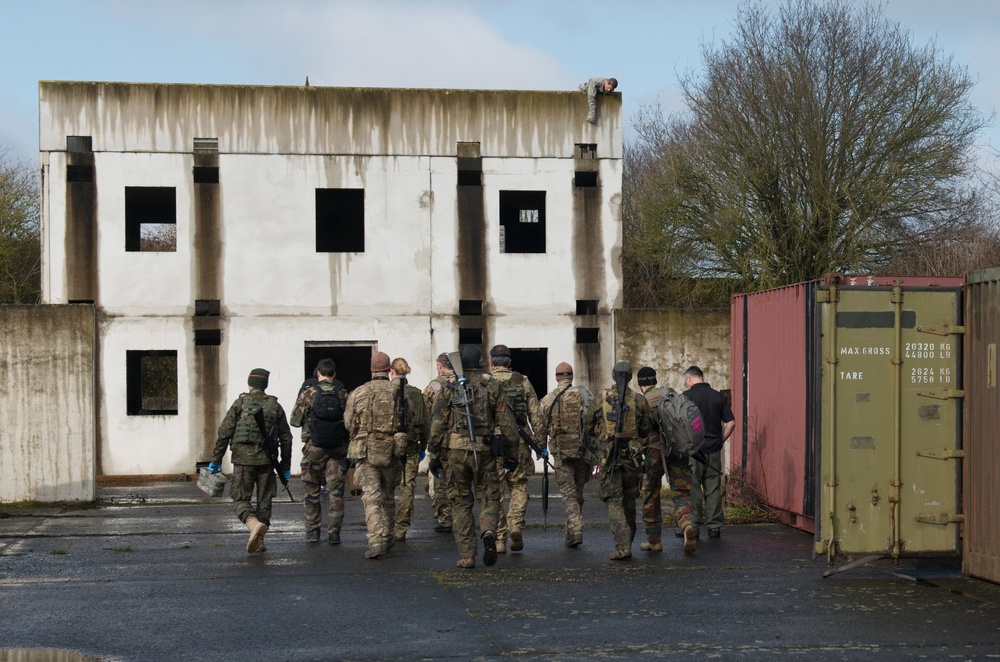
818	139
20	247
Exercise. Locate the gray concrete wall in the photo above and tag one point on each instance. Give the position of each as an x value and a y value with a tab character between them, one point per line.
670	341
47	435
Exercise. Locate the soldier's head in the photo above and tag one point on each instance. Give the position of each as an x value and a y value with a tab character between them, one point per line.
693	375
500	356
622	372
646	378
610	84
564	371
399	368
326	370
380	362
444	363
258	378
472	357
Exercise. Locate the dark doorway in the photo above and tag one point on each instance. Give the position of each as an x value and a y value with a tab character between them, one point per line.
532	362
353	361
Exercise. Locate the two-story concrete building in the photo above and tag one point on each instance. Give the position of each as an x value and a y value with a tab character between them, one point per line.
220	228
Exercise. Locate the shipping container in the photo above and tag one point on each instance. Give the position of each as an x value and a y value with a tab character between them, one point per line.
981	479
847	395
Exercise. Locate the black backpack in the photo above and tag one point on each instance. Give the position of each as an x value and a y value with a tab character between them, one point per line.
326	426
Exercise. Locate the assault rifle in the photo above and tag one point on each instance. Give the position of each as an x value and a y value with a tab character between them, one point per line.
464	397
621	410
271	448
537	450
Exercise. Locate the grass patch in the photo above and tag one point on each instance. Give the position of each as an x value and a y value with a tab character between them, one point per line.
57	552
125	548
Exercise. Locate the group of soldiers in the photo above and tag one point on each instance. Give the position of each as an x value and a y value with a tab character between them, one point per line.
481	431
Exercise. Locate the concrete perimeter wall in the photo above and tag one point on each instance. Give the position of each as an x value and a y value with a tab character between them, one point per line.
47	435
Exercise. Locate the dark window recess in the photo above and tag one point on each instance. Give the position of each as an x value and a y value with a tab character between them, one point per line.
150	218
586	150
470	307
532	362
79	144
82	301
151	382
79	173
206	145
522	221
207	337
208	175
585	179
470	171
588	336
353	361
470	336
207	308
340	220
586	306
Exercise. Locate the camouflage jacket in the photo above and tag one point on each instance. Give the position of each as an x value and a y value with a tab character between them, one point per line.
416	424
302	412
449	422
526	411
599	426
239	429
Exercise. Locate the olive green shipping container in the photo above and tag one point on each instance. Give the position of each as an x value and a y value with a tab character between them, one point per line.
890	449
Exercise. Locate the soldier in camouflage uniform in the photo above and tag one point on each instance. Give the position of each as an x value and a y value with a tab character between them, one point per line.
678	472
562	413
415	424
378	448
319	464
523	403
252	469
471	464
620	455
593	87
438	487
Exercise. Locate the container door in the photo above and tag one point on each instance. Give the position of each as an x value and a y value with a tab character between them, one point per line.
890	444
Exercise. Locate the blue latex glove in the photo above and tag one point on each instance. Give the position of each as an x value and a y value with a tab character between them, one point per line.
423	454
214	468
544	453
436	468
288	474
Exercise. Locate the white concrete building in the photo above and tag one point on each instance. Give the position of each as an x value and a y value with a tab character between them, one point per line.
221	228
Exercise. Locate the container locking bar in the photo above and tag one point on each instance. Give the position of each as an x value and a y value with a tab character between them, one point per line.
943	519
943	394
941	453
943	329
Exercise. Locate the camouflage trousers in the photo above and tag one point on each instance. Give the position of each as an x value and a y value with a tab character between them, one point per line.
438	488
706	486
679	476
516	482
377	485
572	473
407	478
469	480
250	478
620	491
317	464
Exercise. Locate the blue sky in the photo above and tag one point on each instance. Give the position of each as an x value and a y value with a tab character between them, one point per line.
495	44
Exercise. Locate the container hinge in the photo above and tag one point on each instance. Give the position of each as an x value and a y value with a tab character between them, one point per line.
943	519
830	295
943	394
943	329
941	453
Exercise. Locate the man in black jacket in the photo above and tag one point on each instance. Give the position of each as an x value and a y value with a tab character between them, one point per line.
706	484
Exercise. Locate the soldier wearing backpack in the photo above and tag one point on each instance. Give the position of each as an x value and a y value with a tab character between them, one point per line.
378	446
563	411
252	469
619	417
471	406
438	487
523	403
707	476
656	464
411	418
319	411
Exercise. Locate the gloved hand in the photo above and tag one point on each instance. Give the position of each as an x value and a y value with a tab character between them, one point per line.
510	464
287	474
436	468
423	454
214	468
543	454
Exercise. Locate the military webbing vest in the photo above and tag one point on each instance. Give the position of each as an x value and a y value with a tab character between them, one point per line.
513	390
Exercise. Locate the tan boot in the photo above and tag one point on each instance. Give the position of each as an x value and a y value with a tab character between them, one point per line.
516	540
257	530
690	540
649	546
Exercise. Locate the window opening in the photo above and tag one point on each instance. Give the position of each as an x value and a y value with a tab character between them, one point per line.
79	144
207	337
206	175
586	306
150	218
470	307
586	150
353	359
522	221
587	336
79	173
470	336
207	307
532	362
585	179
151	382
340	220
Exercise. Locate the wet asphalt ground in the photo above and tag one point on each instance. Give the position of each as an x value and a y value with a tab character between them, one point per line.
159	572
